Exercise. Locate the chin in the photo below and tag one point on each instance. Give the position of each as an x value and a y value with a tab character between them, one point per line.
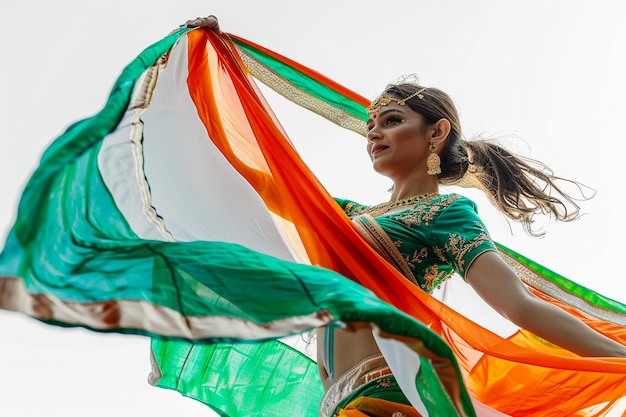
379	170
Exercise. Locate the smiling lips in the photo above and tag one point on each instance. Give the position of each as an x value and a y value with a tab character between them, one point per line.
378	148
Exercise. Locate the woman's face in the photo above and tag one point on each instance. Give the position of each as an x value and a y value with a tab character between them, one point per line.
397	141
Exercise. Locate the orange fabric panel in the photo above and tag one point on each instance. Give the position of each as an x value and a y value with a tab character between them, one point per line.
614	331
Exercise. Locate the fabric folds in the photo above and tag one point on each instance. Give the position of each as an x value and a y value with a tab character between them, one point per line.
181	211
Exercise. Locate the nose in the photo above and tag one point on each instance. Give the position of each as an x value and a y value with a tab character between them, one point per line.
373	135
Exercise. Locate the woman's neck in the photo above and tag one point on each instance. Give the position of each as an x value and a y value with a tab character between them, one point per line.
411	189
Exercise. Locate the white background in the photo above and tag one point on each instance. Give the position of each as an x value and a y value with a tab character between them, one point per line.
548	76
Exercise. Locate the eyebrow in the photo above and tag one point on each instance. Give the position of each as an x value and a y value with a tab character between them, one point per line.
382	113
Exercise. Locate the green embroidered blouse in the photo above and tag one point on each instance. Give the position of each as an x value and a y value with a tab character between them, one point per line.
435	237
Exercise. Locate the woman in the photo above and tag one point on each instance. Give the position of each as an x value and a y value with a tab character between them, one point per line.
414	139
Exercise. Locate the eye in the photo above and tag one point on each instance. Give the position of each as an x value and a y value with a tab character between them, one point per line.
392	120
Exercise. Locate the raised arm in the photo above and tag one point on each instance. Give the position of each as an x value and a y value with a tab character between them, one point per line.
500	287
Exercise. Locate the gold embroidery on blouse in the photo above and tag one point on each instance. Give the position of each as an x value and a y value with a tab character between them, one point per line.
377	210
431	276
382	208
457	246
418	257
348	208
424	213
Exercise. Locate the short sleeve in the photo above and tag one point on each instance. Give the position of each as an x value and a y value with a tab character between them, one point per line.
459	235
348	206
342	202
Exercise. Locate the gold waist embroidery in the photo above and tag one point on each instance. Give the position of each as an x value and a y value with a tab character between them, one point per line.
364	372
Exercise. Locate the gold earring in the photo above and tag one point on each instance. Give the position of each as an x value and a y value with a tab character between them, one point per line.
433	162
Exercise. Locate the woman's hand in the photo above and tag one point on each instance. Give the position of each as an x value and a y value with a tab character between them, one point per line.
209	22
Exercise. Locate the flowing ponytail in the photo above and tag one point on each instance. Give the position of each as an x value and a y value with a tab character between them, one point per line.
519	187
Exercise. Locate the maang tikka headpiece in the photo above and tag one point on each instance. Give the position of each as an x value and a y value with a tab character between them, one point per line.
383	100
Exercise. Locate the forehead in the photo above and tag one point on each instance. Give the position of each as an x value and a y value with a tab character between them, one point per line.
390	109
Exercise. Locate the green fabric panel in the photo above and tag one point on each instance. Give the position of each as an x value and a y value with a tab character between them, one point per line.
278	379
67	152
305	83
321	289
67	211
77	253
431	392
568	285
325	289
84	135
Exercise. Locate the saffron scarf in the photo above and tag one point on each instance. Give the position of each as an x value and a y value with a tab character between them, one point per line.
181	211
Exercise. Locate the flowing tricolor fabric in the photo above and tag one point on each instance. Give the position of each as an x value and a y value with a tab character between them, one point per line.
182	212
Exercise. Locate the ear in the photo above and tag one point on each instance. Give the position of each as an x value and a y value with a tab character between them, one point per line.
439	131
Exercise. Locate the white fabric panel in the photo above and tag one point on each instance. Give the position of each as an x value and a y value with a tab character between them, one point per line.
457	294
194	189
117	165
404	364
483	410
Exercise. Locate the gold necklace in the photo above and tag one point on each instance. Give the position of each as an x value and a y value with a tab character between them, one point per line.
382	208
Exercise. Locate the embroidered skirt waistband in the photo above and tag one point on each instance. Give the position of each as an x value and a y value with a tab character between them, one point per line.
367	370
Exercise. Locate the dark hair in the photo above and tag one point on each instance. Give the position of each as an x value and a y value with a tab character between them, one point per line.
519	187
